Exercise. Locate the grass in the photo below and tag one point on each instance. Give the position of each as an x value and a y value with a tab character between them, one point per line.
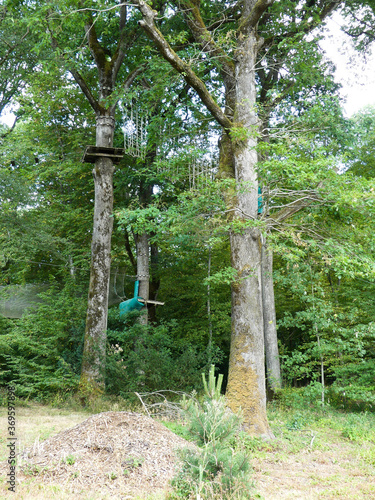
36	422
317	453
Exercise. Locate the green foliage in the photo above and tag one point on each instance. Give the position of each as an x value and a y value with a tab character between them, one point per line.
147	358
325	307
214	469
240	135
297	422
131	463
324	262
360	156
15	41
300	425
44	347
44	230
353	397
188	233
211	421
300	398
212	389
69	460
360	16
359	428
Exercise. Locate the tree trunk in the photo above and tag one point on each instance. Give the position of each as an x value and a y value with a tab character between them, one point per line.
246	379
209	315
143	273
93	362
154	280
269	319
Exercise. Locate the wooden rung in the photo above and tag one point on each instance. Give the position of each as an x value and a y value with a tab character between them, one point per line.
151	302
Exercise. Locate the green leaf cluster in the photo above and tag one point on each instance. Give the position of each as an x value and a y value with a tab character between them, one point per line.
214	468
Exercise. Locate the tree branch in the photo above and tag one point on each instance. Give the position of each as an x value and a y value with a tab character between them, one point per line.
202	35
119	55
179	65
76	75
13	47
95	48
310	196
123	12
305	27
129	80
10	129
253	18
85	89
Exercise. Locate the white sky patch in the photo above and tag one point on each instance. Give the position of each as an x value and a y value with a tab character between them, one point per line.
7	119
354	71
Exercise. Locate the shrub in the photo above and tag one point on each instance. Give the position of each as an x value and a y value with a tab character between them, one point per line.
42	354
148	358
213	469
352	397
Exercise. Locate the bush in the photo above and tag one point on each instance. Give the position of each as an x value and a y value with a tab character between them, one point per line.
148	358
213	469
349	397
359	427
352	397
42	350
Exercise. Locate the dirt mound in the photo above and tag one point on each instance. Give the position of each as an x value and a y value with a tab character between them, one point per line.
117	453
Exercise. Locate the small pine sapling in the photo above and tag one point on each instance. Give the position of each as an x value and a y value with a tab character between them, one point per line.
212	390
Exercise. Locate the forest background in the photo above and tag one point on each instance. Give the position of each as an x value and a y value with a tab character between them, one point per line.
315	204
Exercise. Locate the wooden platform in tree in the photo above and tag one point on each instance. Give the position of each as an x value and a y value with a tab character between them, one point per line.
92	153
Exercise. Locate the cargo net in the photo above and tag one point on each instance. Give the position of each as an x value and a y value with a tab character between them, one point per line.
135	131
199	166
195	168
202	172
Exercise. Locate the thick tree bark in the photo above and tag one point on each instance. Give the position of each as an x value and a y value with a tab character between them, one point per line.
154	280
269	319
93	362
268	296
246	380
143	273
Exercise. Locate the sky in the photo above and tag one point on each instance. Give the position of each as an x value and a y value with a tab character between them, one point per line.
354	71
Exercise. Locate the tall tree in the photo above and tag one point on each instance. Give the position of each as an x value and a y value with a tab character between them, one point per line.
108	62
292	79
237	69
246	383
92	46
